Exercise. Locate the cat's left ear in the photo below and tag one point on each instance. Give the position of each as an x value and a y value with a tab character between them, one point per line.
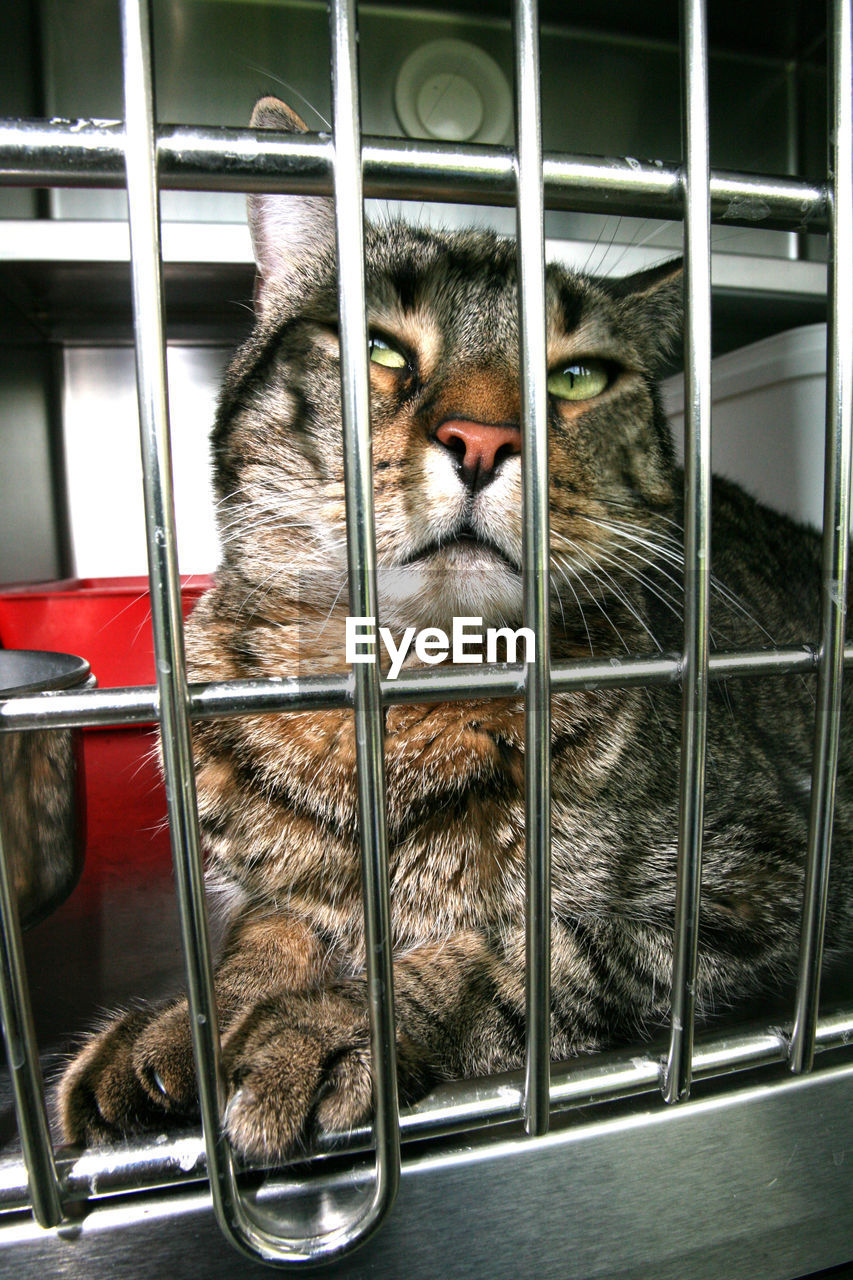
288	231
651	305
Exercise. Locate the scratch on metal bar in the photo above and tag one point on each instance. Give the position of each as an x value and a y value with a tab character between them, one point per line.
747	209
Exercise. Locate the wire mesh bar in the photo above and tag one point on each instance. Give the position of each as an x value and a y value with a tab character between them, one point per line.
42	1180
319	693
536	564
836	527
697	538
252	1231
166	614
91	154
361	563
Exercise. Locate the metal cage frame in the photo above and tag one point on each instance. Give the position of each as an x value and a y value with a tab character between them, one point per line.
147	158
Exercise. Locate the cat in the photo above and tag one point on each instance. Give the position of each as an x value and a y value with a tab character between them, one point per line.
277	795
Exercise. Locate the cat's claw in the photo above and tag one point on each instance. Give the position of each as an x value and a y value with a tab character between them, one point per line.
158	1081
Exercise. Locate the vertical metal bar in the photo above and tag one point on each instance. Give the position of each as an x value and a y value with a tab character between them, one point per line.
836	525
697	535
250	1228
536	561
797	239
361	561
22	1054
166	614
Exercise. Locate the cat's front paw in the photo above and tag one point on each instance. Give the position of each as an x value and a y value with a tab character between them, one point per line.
297	1065
134	1076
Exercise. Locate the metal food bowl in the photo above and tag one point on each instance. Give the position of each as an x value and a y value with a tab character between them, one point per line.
42	805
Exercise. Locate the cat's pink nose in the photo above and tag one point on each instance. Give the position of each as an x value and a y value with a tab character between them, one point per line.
480	446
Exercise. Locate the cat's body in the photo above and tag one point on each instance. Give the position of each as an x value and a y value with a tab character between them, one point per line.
277	794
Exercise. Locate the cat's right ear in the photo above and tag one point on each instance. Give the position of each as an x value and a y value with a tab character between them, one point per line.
287	230
651	304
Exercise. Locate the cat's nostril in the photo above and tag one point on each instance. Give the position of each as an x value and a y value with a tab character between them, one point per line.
480	446
505	451
451	441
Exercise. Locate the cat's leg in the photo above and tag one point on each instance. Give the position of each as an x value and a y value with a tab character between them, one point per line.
295	1042
138	1072
300	1064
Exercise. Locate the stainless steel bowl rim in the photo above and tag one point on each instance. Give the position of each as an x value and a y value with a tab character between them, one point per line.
39	670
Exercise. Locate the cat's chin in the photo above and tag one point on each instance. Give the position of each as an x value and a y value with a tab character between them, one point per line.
431	592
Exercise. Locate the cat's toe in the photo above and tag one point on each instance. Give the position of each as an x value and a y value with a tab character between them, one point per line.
292	1073
163	1062
101	1097
346	1095
274	1090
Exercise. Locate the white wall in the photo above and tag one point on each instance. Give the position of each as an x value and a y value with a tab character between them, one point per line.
104	472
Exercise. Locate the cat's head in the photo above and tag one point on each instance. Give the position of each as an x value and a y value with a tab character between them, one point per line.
445	411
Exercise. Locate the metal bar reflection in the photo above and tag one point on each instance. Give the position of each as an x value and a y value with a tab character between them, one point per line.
318	693
697	535
166	614
536	565
91	154
836	532
361	563
42	1180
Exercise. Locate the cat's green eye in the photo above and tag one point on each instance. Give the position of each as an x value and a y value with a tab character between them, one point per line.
381	352
580	381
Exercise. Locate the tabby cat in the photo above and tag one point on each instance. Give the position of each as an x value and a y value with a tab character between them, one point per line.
277	793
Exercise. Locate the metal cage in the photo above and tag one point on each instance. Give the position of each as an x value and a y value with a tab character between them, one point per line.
634	1187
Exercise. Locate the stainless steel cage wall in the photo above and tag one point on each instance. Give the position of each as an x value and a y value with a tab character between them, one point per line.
148	158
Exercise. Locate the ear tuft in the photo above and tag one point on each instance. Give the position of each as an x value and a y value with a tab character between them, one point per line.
288	231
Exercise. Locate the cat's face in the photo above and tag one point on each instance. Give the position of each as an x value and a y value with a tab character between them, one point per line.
445	412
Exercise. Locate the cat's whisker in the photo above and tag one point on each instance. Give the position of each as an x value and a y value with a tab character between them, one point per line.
596	243
664	569
252	510
266	585
636	243
643	517
672	602
332	606
621	595
291	89
671	552
666	598
237	533
565	576
599	270
581	579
